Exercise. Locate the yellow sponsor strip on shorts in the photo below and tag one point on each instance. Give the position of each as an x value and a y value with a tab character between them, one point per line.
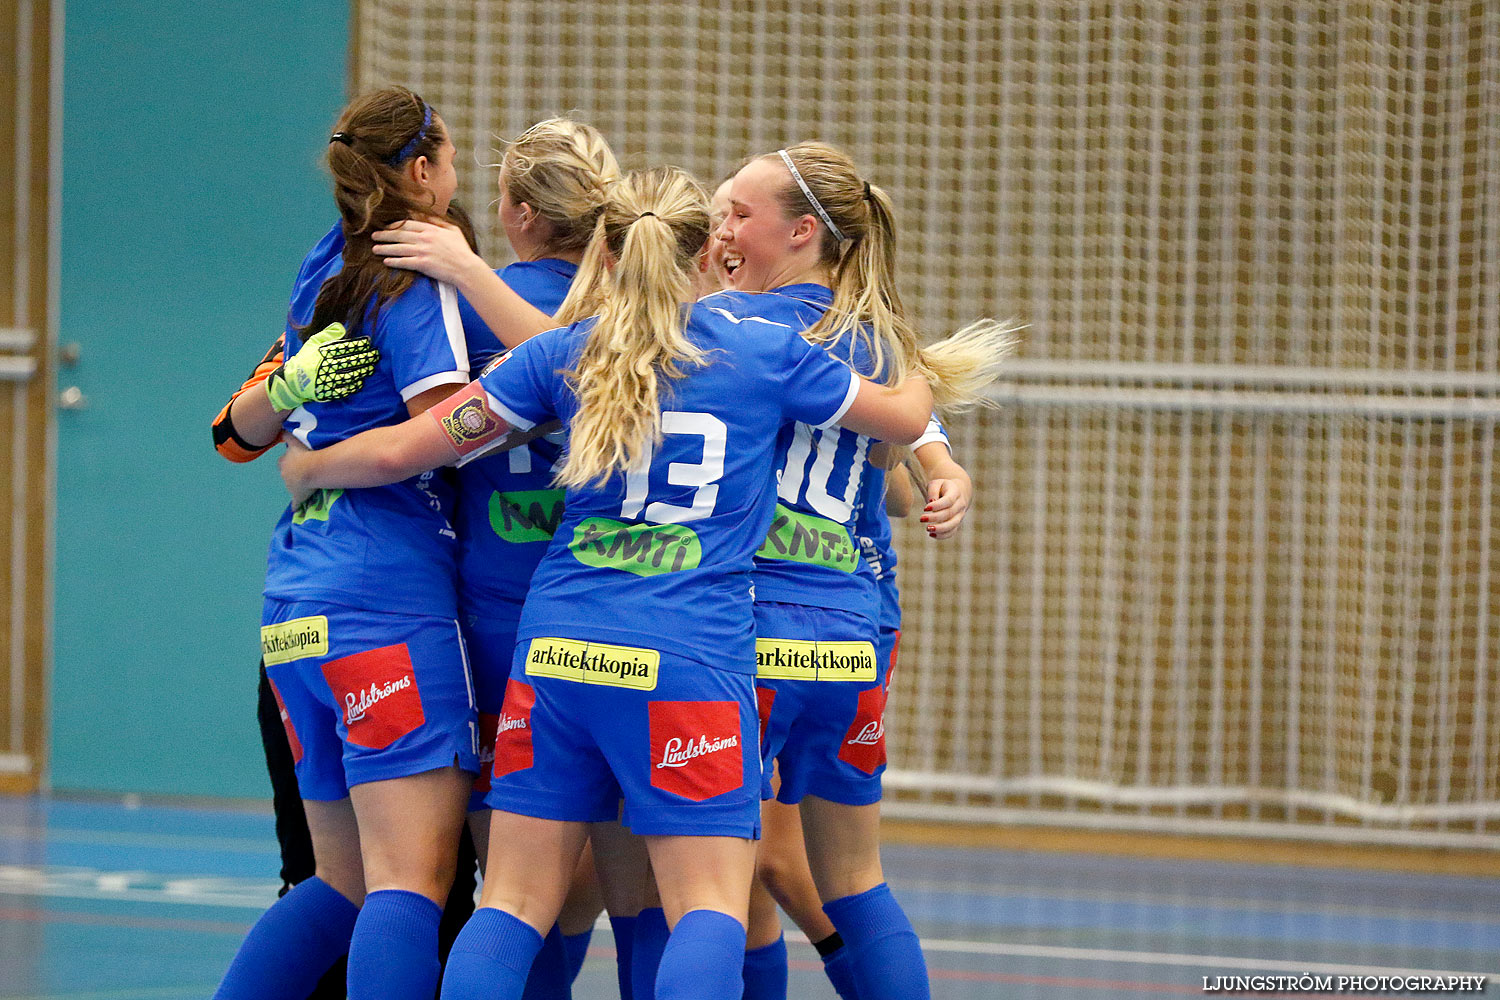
593	663
288	641
802	660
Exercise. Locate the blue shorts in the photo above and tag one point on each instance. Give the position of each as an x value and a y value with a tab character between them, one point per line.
587	723
366	695
820	687
490	636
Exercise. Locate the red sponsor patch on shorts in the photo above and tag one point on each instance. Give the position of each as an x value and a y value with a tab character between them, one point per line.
513	747
377	693
864	743
488	724
286	722
695	748
764	699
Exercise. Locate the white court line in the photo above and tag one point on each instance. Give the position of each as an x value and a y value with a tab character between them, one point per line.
1217	962
147	887
1311	907
121	838
136	886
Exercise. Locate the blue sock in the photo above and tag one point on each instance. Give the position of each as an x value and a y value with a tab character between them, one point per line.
548	978
624	928
576	946
394	952
703	959
884	953
490	957
645	952
765	971
291	945
840	973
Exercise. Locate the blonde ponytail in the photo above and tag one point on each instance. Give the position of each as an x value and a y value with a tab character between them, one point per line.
867	304
564	170
653	225
960	367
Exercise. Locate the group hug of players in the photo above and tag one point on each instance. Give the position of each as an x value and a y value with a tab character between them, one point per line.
592	553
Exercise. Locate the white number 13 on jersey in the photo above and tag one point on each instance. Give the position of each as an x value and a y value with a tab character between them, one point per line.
704	475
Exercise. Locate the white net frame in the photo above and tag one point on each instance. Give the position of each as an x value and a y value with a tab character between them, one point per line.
1232	566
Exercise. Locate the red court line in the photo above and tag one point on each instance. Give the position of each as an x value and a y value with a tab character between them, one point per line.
148	923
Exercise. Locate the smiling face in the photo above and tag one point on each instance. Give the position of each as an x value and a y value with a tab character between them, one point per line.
763	248
718	211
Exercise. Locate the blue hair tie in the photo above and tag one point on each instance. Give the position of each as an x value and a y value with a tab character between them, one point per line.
411	146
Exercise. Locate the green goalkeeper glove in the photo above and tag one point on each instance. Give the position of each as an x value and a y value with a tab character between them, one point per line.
331	365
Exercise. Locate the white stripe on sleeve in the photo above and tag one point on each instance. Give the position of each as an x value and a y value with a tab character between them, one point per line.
453	324
441	378
934	432
843	407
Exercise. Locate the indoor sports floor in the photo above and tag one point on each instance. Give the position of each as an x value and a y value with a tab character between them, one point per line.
102	901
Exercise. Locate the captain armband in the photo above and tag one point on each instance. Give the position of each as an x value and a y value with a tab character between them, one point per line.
468	421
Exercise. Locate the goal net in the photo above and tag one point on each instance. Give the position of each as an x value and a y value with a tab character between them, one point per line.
1233	561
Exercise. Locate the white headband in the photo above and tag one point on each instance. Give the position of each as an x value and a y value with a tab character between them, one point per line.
838	234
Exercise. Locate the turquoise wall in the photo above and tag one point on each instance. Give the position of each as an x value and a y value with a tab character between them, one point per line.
191	137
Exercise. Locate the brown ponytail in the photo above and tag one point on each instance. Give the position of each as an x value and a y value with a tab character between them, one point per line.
377	134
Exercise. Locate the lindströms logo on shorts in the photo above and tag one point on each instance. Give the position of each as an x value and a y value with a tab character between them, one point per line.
593	663
677	753
696	748
292	640
316	507
513	747
642	549
864	743
807	538
378	692
356	704
802	660
526	515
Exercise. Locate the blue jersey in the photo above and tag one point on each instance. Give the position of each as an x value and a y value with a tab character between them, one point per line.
507	505
810	555
660	556
542	283
390	548
872	527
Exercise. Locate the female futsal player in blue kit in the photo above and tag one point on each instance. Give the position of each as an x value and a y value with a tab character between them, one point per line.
359	631
806	228
644	581
624	569
552	178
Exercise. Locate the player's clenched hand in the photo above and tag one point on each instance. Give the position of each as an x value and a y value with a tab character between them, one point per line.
436	249
330	365
947	502
295	463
